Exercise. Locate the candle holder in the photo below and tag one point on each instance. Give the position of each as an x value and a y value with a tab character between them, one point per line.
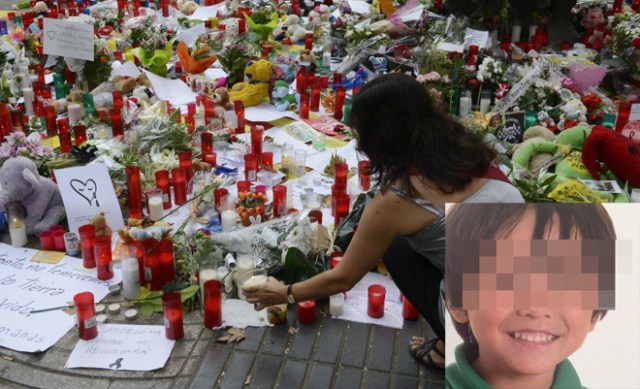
341	95
279	200
336	304
163	183
212	304
17	225
207	271
179	186
165	256
306	311
80	134
341	171
152	264
172	308
134	191
266	160
102	254
206	143
409	312
155	203
185	158
58	240
250	167
375	302
87	234
256	143
252	278
239	108
86	315
364	175
130	278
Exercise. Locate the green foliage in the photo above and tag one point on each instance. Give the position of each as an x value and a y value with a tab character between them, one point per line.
297	267
233	61
536	190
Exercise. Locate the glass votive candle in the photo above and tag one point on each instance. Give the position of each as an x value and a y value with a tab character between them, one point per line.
251	278
162	182
46	240
130	278
336	304
165	257
172	309
87	234
218	195
185	159
261	189
134	191
179	186
152	264
306	311
341	207
279	200
635	195
299	160
58	240
102	254
136	250
341	170
267	160
364	174
211	159
250	167
86	315
256	143
212	291
375	303
335	258
155	203
206	145
243	186
409	312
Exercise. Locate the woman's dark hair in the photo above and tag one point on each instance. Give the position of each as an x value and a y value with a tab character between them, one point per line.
402	132
468	224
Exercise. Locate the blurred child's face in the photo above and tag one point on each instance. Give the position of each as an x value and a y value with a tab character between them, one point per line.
531	303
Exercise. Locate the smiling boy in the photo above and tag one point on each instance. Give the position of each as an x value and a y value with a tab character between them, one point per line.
525	285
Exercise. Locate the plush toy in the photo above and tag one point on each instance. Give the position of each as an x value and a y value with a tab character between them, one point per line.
223	102
618	153
574	112
127	84
282	98
100	223
255	88
294	30
536	150
39	195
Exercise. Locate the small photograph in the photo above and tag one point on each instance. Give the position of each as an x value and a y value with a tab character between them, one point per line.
541	296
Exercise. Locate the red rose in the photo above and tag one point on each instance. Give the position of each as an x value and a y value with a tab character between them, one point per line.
636	43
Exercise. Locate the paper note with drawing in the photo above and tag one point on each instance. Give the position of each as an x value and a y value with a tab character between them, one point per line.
68	39
26	286
87	191
175	91
123	347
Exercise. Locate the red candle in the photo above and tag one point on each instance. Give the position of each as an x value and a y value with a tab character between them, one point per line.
65	142
239	108
624	110
308	41
87	235
635	6
337	78
162	182
315	98
136	250
186	165
191	123
279	200
301	80
617	6
304	106
63	126
209	110
116	123
364	174
261	189
80	134
179	186
58	240
218	195
17	119
206	143
340	97
341	170
118	101
102	254
256	144
375	305
50	120
409	312
86	315
315	216
243	186
135	191
172	308
335	258
266	160
307	311
211	159
151	261
167	268
250	167
191	108
212	304
341	207
46	240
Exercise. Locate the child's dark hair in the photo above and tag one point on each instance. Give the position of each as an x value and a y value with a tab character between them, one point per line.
402	132
469	222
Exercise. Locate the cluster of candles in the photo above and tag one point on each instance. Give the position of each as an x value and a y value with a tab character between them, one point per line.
339	197
306	79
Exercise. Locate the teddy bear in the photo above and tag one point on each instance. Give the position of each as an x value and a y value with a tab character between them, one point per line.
100	223
294	30
40	196
617	152
574	112
537	149
255	88
126	85
223	102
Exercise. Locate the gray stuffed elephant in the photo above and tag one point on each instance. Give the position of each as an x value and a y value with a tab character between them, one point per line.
40	196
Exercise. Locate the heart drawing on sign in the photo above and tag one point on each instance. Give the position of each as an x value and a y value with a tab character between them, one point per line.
51	34
87	190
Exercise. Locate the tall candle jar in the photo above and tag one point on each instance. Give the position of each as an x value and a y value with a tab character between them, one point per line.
87	234
172	309
17	226
102	255
155	204
130	278
86	315
134	191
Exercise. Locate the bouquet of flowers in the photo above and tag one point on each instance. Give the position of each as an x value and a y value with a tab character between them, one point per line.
154	47
250	207
18	144
200	57
625	42
589	14
263	22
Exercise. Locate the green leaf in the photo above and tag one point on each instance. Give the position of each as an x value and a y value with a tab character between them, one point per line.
296	266
147	309
188	293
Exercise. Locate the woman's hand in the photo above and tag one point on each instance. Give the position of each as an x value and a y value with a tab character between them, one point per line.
273	292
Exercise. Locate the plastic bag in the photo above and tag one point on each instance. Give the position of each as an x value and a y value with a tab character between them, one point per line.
345	230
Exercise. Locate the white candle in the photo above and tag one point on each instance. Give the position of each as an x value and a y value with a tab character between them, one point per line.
485	104
206	275
336	304
515	33
532	31
75	113
635	195
228	219
245	262
130	278
27	93
155	208
18	235
251	281
313	205
465	105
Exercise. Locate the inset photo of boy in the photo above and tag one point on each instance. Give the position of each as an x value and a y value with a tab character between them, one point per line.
542	296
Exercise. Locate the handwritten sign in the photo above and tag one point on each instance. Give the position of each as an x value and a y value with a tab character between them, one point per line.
68	39
123	347
512	128
26	286
86	191
478	38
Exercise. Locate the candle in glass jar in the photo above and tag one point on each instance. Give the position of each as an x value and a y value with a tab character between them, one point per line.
228	219
134	191
375	304
341	94
172	308
152	264
306	311
27	94
87	234
336	304
250	167
205	275
102	255
17	226
256	143
80	134
162	182
155	202
130	278
86	315
179	186
186	164
165	257
212	304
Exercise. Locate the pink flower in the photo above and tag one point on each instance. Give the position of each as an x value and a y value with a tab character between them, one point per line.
429	77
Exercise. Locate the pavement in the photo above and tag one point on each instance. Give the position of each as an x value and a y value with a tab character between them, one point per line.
330	353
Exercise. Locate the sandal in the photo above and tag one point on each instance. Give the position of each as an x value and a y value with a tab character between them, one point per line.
423	353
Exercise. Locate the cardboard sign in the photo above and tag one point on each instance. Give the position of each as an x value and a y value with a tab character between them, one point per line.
512	128
123	347
86	191
68	39
26	286
478	38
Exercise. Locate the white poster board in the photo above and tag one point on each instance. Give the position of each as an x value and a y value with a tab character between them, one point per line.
123	347
67	39
26	286
86	191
